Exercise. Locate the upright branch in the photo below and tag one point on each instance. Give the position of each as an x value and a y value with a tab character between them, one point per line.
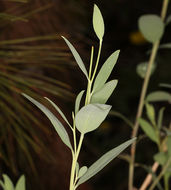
155	47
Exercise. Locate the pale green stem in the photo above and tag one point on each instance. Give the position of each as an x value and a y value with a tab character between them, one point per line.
161	174
142	98
75	155
166	182
74	162
74	133
97	61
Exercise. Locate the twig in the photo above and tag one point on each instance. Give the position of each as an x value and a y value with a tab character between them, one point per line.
142	97
148	179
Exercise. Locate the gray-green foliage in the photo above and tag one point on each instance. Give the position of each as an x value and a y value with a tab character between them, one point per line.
152	27
7	184
88	117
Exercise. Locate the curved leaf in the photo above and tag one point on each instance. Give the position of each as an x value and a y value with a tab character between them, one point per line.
77	57
91	116
21	183
105	71
104	93
98	23
158	96
55	122
78	100
148	130
151	26
103	161
82	171
7	183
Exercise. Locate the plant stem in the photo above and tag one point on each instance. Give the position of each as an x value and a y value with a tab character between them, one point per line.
166	182
142	98
97	61
74	162
148	179
75	154
161	174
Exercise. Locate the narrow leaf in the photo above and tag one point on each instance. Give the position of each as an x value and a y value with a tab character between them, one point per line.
21	183
103	161
152	27
8	183
169	145
82	171
58	110
55	122
159	96
77	57
160	118
148	130
105	71
91	116
104	93
78	100
150	113
98	23
161	158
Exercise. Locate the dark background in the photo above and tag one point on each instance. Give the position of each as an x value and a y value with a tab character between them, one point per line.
73	19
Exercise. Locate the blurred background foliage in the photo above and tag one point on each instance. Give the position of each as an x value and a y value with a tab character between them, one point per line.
35	60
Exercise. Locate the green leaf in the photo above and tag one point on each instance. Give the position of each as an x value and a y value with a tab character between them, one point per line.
2	184
152	27
160	118
158	96
150	113
104	93
161	158
21	183
165	85
78	100
98	23
165	46
7	183
77	57
103	161
141	69
58	110
148	130
169	145
82	171
105	71
55	122
91	116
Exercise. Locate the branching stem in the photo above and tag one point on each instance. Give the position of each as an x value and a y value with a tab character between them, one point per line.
142	98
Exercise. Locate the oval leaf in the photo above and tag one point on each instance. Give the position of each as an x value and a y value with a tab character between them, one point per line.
82	171
159	96
77	57
8	183
98	23
103	94
148	130
141	69
150	113
152	27
161	158
78	100
103	161
91	116
55	122
21	184
105	71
